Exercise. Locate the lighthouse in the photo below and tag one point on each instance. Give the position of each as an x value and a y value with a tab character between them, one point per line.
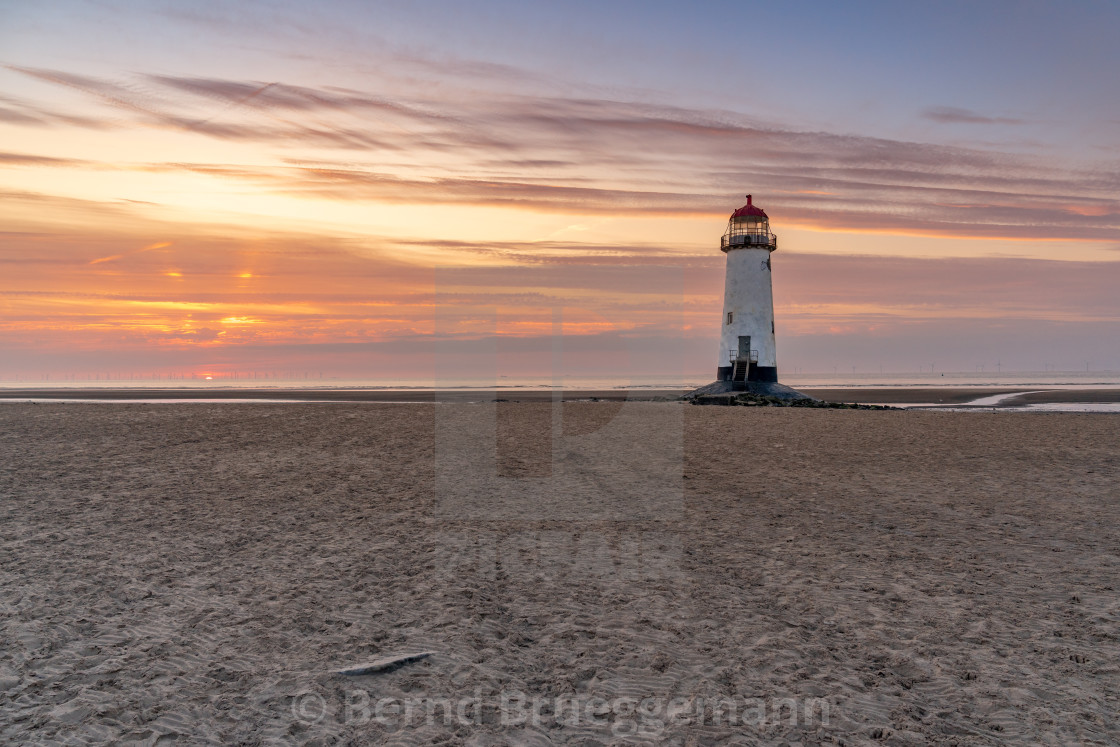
747	353
747	371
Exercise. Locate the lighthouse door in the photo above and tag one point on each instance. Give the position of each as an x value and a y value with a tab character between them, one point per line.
742	364
745	347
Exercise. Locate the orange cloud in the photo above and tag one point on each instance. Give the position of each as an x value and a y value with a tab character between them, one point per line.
115	257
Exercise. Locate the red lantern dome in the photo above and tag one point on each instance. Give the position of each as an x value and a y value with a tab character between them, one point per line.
749	210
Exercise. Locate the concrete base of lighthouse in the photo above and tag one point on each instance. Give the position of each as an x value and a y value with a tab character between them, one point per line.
767	374
761	388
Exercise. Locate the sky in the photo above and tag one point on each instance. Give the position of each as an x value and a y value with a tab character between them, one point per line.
402	190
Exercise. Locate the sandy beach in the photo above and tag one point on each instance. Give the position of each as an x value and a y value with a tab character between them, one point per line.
199	572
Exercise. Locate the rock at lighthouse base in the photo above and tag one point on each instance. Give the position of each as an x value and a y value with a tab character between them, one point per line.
752	392
759	388
764	394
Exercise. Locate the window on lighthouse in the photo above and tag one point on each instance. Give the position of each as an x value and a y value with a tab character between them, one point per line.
730	316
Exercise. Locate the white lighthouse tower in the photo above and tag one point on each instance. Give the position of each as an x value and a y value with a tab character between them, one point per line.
747	352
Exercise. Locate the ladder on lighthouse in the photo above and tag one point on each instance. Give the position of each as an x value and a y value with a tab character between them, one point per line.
742	365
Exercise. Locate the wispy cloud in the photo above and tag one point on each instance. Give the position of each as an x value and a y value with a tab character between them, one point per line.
812	287
956	115
601	157
27	159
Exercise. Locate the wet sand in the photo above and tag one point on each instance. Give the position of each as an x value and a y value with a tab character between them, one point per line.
1066	395
199	572
883	395
341	395
907	395
961	395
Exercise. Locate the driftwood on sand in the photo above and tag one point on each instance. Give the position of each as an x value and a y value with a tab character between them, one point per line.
388	664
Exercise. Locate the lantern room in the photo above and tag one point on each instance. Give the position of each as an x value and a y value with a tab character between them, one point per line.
749	227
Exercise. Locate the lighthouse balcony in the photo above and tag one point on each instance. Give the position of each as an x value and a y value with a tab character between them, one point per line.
737	355
761	239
